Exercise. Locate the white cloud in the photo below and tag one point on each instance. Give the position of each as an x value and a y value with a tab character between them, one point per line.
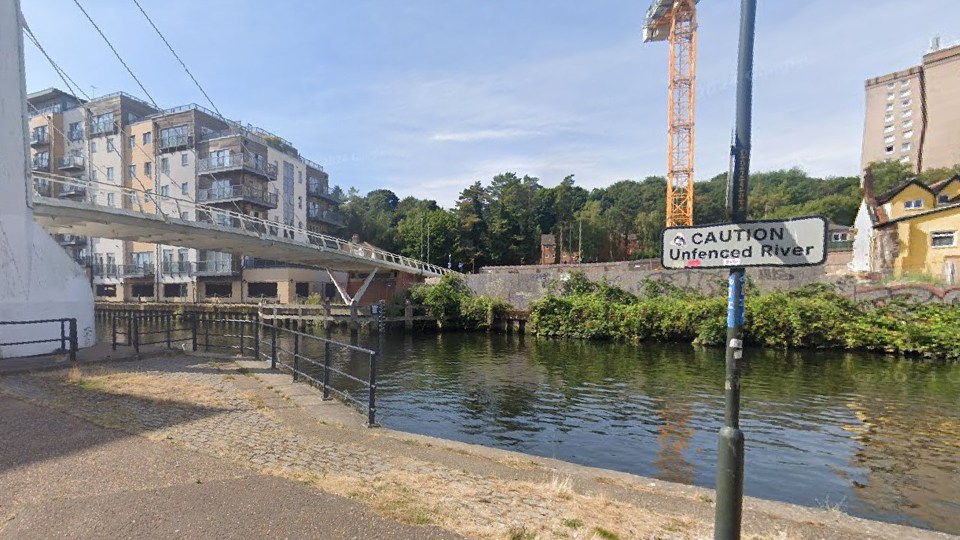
483	134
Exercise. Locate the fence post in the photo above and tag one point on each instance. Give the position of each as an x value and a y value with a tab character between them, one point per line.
326	370
136	335
296	353
169	327
273	344
193	330
113	343
372	398
63	335
130	330
206	335
256	336
73	340
243	331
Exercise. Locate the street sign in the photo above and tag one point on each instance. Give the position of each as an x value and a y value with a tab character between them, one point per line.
793	242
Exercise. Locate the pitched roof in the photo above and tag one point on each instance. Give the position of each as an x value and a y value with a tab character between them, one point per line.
941	185
903	185
955	206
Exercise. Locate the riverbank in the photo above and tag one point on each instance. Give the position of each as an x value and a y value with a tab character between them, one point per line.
257	420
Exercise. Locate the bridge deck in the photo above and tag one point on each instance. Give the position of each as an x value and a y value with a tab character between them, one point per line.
89	215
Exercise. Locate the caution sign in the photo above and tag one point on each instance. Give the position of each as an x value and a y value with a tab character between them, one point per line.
794	242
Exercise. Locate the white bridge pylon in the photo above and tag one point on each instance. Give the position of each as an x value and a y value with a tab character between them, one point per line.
65	205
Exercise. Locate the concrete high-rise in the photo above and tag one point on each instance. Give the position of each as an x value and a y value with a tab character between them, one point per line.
912	114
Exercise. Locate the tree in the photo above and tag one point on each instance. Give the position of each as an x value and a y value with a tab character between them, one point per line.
443	242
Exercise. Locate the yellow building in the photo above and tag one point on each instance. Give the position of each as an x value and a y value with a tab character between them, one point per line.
911	230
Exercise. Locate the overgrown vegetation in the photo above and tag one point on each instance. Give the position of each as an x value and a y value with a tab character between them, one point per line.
455	306
812	317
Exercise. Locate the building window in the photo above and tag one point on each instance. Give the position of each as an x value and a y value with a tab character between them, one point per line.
905	93
890	96
905	147
890	85
299	177
148	169
906	102
904	82
943	239
110	147
839	237
93	175
93	146
907	124
174	136
889	138
184	159
888	150
102	124
109	173
131	141
185	215
888	129
111	199
915	204
132	170
164	191
75	131
889	107
147	138
184	188
164	165
907	113
888	118
943	199
908	134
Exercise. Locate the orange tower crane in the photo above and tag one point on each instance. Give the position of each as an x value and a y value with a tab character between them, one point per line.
676	21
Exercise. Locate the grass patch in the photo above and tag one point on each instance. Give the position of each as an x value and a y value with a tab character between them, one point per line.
600	532
521	534
573	523
244	371
706	498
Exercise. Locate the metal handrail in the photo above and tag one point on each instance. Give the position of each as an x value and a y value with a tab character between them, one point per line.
236	161
70	161
235	191
65	339
172	208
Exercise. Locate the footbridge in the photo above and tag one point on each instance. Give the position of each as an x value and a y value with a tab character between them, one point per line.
64	205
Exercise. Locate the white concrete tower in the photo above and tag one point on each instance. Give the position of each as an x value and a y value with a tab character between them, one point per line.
38	280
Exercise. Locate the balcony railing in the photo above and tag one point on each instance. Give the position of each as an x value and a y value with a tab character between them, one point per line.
319	190
840	245
237	192
38	138
105	270
327	216
136	270
67	163
72	190
236	162
102	128
168	142
176	268
217	268
40	164
72	240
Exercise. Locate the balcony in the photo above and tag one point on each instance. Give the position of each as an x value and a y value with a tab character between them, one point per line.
105	270
326	216
176	268
319	190
232	193
172	142
40	164
235	162
136	270
96	129
70	163
228	267
39	138
71	240
72	190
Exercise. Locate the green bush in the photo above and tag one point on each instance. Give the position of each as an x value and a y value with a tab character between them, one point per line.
452	303
812	317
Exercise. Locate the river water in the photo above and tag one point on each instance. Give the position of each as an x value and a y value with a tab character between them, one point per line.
877	436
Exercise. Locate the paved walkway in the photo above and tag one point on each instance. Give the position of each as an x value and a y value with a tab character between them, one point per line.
195	446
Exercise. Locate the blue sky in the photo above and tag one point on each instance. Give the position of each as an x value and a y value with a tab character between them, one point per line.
425	97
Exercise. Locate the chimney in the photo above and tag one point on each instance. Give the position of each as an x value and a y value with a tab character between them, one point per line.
868	187
935	44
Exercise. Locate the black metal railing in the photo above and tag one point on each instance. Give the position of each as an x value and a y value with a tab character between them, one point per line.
283	348
67	339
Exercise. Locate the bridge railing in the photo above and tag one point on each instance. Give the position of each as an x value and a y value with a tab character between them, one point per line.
174	209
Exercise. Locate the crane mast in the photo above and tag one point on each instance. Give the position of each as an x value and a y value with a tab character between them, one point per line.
675	21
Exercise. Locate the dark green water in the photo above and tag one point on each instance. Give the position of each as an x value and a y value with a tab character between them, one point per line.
877	436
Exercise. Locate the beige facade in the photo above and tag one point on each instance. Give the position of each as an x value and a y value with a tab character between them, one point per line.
912	115
189	153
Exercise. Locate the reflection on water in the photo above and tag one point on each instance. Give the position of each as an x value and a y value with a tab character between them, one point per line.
879	436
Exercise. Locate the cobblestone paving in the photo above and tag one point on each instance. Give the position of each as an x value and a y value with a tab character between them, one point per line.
208	406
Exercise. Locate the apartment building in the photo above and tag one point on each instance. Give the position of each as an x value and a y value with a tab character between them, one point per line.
912	114
190	153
